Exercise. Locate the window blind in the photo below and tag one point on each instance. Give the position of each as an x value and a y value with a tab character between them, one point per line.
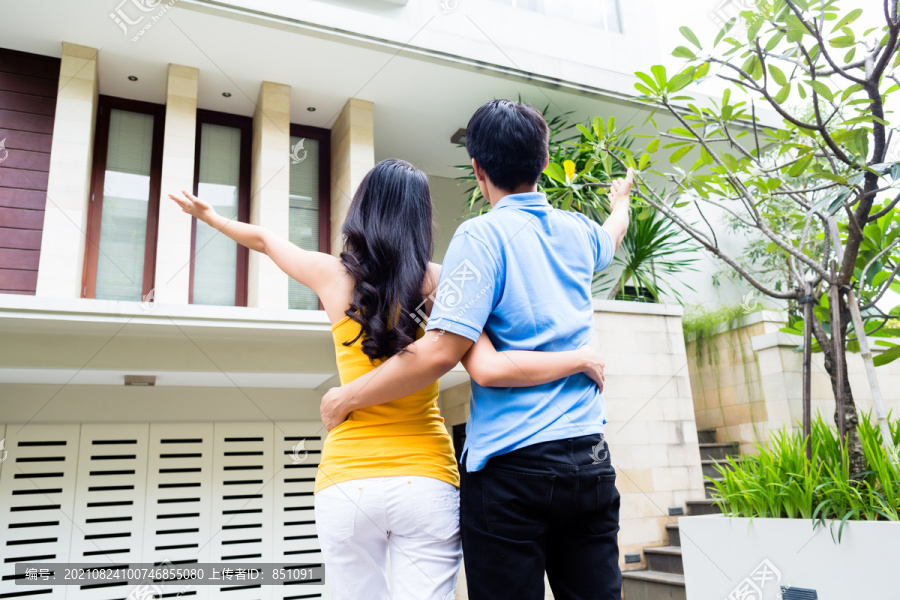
215	255
303	219
126	200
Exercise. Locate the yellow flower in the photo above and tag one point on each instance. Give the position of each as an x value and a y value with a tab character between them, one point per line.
569	166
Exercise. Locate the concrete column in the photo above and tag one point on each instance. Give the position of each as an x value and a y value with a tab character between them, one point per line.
267	286
352	156
61	266
173	249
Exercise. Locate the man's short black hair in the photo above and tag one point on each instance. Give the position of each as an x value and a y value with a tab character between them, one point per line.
509	141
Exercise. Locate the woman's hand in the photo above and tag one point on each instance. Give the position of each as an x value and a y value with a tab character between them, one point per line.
331	408
194	206
593	365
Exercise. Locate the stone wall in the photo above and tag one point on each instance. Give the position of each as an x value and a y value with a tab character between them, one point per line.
747	381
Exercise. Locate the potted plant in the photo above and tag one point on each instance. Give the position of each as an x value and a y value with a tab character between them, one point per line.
795	522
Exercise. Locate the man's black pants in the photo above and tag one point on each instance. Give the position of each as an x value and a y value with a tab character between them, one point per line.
552	506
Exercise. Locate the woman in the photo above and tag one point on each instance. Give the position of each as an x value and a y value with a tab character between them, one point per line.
387	486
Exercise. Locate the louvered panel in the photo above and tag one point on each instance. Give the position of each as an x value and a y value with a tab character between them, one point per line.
242	500
37	496
298	448
109	503
179	498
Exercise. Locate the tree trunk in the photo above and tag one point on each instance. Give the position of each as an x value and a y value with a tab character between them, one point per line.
857	457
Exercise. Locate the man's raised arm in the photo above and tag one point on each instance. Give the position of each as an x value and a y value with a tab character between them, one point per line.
619	204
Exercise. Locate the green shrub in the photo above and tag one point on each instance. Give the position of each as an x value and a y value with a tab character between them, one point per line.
779	481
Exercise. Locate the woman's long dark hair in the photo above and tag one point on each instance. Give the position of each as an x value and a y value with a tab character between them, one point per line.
388	242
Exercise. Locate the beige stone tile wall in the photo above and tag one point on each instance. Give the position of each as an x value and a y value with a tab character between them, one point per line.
651	430
270	180
754	386
173	249
728	389
64	234
787	393
352	156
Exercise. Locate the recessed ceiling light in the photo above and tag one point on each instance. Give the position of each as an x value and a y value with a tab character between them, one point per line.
226	94
140	380
311	108
132	78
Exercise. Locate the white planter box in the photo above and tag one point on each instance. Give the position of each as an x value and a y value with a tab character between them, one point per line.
725	558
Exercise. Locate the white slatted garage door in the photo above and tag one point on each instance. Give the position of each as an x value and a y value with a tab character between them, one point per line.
148	493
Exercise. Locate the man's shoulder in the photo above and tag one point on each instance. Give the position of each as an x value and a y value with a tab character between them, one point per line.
575	218
483	227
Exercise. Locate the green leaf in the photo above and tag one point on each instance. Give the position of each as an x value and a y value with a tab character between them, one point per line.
844	41
555	172
599	129
659	73
777	75
683	52
689	36
774	41
850	90
645	160
653	146
887	356
848	18
725	29
648	81
584	130
680	153
782	94
821	89
800	166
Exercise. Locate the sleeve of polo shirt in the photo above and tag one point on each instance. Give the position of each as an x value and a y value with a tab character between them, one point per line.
466	294
603	246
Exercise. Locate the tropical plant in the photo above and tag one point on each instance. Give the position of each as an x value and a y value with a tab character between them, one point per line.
652	240
653	252
779	481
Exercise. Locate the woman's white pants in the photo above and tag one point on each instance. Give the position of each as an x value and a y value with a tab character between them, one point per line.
390	533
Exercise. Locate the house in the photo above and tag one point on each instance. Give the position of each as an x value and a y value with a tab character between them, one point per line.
159	386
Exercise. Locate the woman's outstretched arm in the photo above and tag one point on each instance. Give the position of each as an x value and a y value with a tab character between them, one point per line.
521	368
313	269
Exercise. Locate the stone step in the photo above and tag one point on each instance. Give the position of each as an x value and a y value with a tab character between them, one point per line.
709	467
709	486
674	534
702	507
652	585
665	559
718	451
707	436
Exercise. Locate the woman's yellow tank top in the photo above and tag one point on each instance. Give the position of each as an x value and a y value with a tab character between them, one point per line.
404	437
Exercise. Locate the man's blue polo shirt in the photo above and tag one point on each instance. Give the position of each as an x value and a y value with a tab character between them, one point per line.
522	273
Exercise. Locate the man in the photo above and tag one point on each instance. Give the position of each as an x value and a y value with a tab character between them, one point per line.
538	488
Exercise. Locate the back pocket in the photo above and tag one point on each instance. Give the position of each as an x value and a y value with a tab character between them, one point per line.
336	508
437	514
606	489
516	503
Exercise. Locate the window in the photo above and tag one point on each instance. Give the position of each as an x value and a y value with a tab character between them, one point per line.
594	13
310	209
122	220
222	178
